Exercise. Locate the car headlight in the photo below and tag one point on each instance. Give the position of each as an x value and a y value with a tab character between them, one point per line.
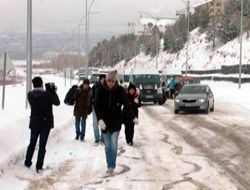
177	100
202	100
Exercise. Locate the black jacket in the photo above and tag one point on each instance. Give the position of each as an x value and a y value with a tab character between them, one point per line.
108	106
133	105
41	102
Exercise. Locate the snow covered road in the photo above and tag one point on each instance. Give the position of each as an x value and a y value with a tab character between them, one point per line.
185	152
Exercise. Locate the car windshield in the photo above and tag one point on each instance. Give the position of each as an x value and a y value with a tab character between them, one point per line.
193	90
147	78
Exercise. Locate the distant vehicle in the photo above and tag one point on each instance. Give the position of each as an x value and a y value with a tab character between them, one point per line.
94	78
194	97
125	77
167	74
183	80
81	73
149	83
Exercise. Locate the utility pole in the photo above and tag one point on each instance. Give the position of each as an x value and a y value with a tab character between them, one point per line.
241	31
4	76
29	49
86	39
188	12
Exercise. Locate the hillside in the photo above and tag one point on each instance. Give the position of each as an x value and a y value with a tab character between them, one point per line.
201	55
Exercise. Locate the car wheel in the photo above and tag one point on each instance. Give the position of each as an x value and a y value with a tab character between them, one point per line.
160	102
155	102
212	109
208	108
176	111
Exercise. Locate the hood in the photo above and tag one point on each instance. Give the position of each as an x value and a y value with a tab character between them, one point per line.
37	92
191	96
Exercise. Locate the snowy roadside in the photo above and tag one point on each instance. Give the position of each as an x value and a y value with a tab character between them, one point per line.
15	133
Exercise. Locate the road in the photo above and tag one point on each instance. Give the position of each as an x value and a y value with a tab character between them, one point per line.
185	151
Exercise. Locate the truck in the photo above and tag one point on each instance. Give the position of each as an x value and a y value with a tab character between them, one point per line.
149	83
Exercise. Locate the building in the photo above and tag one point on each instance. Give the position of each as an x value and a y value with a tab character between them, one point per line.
215	7
145	25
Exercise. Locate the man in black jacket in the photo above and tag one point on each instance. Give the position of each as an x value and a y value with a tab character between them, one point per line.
109	101
41	120
97	132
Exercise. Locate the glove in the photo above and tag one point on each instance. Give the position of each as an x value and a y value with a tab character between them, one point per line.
136	100
101	124
136	121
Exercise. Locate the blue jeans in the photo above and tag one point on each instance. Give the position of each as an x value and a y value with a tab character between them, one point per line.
81	132
111	141
97	131
44	134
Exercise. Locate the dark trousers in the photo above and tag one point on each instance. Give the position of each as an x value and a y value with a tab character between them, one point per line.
43	135
172	91
129	130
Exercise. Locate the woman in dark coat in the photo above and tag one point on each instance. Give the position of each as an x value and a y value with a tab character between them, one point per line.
134	103
82	108
109	100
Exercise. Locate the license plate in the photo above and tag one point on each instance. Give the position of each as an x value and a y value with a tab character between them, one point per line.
188	105
149	96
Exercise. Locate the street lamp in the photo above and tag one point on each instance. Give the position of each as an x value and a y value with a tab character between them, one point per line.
79	28
187	3
87	34
29	49
241	30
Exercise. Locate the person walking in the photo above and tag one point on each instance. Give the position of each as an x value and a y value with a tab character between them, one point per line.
41	119
171	86
82	108
97	131
109	100
134	103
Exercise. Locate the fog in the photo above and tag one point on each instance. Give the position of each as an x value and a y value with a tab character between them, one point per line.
64	15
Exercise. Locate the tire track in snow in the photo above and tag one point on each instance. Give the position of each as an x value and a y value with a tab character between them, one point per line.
197	167
231	170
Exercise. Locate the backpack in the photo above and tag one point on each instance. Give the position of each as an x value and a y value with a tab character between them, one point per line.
69	98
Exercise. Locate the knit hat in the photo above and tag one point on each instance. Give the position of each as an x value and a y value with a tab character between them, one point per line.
112	75
131	86
37	82
102	76
86	81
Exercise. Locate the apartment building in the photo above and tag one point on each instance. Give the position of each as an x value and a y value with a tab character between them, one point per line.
215	7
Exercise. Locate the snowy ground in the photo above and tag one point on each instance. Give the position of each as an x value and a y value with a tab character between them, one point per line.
183	152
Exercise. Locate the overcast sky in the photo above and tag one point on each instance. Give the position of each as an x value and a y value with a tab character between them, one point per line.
64	15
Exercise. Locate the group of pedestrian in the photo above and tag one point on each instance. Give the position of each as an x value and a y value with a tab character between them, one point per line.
110	104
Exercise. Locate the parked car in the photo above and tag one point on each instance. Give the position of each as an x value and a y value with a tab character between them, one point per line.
194	97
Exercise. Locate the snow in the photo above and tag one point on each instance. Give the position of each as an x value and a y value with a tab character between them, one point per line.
202	56
150	164
70	159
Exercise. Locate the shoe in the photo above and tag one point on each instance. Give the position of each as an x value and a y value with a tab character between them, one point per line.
77	137
39	170
27	165
130	143
82	138
101	142
96	143
110	171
